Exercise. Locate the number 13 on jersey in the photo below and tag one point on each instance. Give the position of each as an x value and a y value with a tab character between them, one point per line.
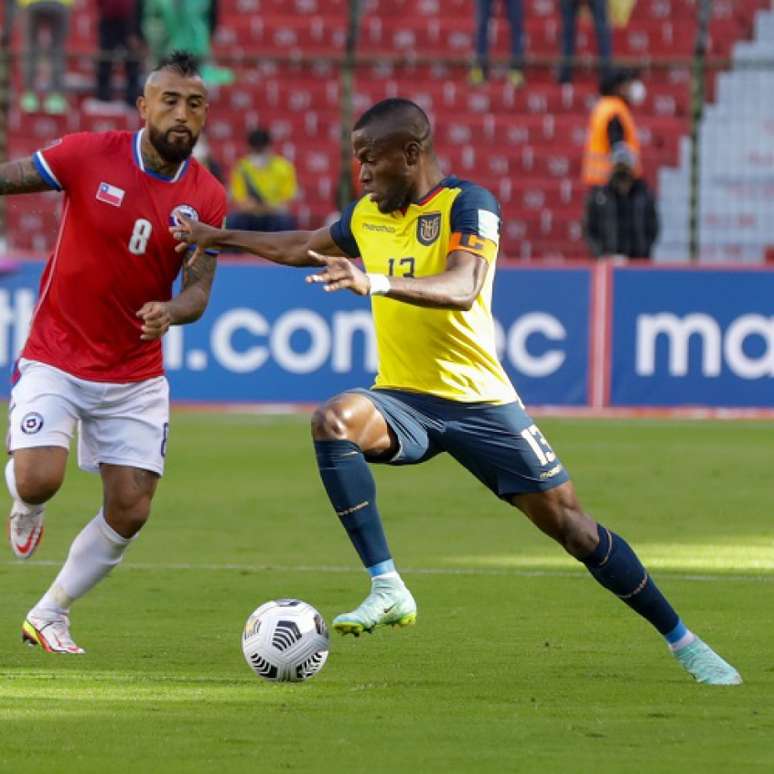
539	445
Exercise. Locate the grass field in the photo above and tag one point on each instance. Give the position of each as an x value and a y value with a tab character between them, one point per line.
519	662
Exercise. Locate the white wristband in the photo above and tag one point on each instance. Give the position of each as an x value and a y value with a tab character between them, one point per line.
378	284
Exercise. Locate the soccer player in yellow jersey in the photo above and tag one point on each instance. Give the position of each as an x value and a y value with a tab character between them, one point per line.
429	244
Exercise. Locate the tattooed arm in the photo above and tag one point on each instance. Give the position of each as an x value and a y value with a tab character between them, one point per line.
21	176
187	306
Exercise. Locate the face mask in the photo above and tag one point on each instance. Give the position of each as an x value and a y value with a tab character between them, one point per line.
637	92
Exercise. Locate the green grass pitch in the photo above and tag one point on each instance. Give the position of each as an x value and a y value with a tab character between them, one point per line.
519	662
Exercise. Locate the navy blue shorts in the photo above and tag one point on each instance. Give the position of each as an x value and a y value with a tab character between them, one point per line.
499	444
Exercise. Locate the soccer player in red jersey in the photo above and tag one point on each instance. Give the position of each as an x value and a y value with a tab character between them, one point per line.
93	357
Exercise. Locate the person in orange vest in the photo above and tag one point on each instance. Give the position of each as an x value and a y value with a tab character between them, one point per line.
612	123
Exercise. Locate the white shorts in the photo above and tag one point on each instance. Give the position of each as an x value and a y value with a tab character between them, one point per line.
120	424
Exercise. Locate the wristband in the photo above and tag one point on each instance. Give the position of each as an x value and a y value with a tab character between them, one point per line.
378	284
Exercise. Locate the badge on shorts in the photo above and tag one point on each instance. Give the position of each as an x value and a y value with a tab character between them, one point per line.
428	228
31	423
186	210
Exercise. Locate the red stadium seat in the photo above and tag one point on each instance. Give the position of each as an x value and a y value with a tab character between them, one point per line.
523	144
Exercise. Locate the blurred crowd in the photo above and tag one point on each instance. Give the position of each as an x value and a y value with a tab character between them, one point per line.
128	33
619	215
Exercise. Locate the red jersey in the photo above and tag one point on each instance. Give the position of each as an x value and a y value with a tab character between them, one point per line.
114	253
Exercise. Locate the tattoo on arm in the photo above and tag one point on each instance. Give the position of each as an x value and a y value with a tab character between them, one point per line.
21	177
202	271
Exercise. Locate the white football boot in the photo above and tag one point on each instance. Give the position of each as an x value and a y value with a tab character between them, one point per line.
25	528
50	631
389	604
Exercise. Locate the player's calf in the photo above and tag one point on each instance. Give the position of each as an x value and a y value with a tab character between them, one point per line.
558	514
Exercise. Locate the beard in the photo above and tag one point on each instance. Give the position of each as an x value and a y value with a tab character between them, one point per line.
396	199
172	147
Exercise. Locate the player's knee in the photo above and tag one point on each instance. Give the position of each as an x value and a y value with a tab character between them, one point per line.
331	422
134	522
128	505
580	536
37	485
128	518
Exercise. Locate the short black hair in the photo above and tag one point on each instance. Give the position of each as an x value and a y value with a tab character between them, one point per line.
405	116
258	139
182	62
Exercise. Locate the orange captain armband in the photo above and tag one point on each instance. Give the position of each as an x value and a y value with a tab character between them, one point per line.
472	243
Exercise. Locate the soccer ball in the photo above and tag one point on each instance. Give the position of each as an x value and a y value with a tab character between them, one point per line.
285	640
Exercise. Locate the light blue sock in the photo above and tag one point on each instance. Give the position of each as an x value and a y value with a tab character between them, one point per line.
679	637
382	568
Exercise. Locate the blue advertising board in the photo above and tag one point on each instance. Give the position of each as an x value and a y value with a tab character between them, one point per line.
678	337
543	321
692	338
269	336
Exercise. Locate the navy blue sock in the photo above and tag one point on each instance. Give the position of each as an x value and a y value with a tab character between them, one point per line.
616	567
352	492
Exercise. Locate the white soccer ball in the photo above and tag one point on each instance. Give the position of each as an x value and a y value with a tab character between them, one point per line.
285	640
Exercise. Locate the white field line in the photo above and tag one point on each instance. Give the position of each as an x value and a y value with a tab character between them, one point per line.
329	569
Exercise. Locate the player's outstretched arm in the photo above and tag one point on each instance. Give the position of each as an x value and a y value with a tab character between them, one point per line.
457	287
289	248
21	176
186	307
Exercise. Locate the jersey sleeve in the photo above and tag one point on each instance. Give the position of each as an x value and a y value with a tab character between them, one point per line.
63	161
341	233
475	223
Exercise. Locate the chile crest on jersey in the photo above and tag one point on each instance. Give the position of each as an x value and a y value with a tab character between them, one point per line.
186	210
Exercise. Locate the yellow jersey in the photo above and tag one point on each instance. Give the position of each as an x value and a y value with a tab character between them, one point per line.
442	352
273	184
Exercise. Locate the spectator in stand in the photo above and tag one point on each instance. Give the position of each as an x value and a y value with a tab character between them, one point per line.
169	25
598	8
611	123
480	71
9	13
118	29
620	217
53	15
263	185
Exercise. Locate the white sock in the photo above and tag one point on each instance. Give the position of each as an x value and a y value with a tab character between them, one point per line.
10	482
392	575
96	550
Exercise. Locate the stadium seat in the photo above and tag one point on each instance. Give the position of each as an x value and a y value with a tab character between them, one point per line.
524	144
